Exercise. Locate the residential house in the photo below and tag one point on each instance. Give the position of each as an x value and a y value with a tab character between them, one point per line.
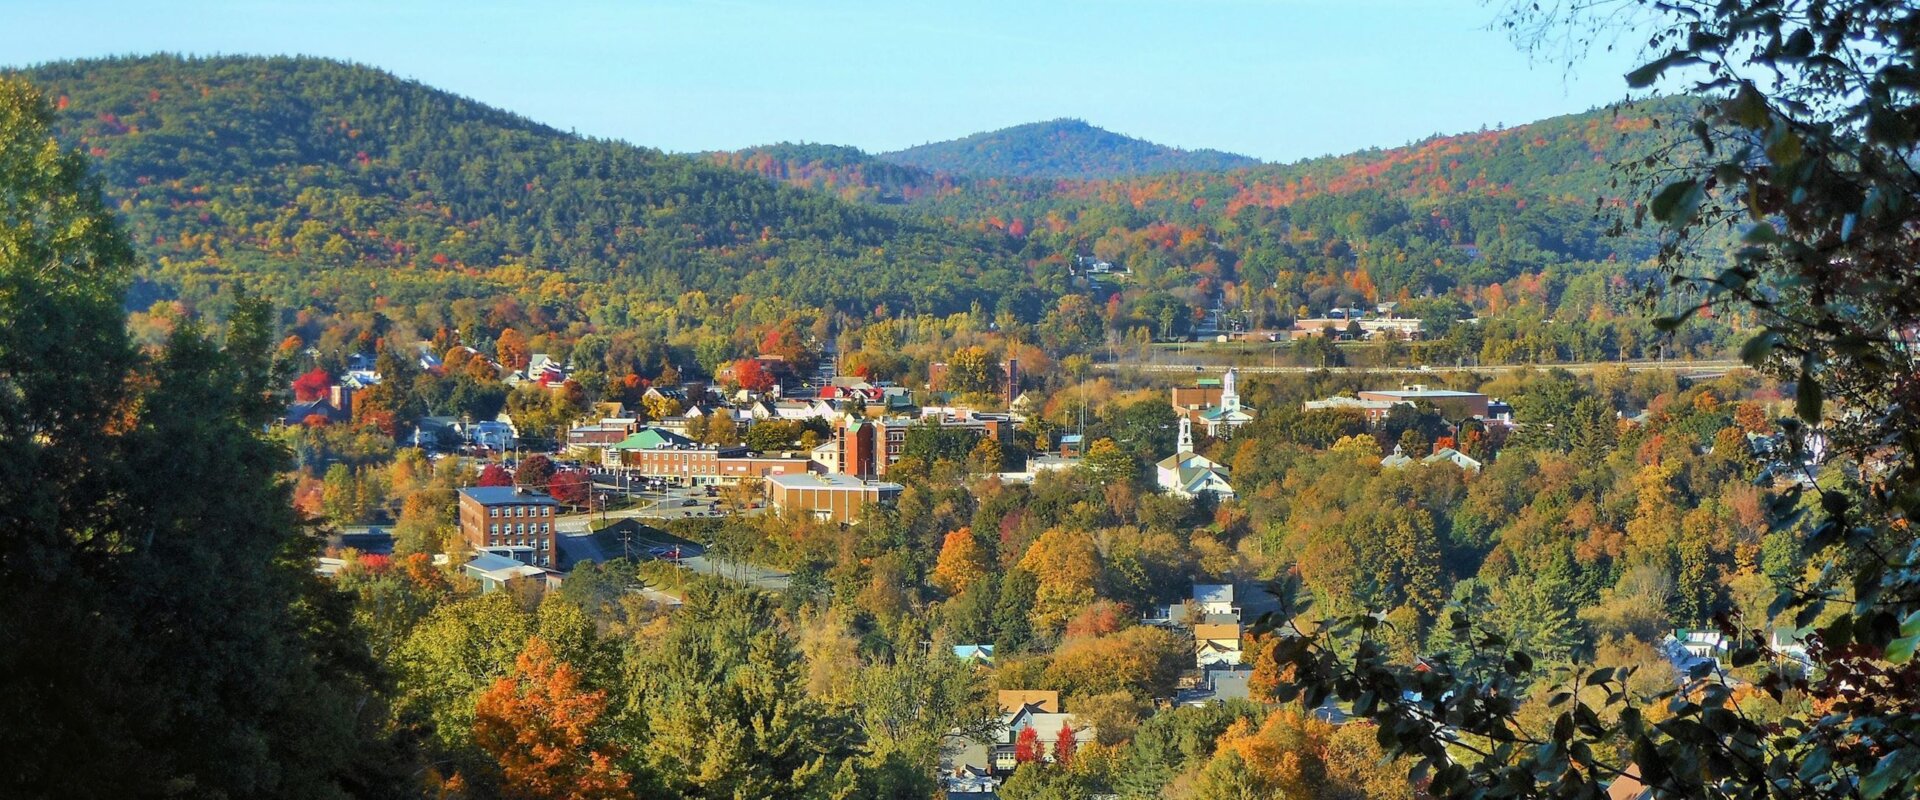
1011	700
981	654
337	406
1216	644
1215	598
1047	727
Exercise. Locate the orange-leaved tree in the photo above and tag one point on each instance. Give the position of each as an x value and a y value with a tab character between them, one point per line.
962	563
538	723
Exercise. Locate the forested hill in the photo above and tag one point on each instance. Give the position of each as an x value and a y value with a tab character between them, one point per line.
344	186
1061	148
847	172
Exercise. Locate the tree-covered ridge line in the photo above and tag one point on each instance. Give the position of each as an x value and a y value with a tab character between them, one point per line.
339	177
1059	148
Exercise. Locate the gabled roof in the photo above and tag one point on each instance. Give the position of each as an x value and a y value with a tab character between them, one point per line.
651	438
974	652
1206	631
1459	459
1213	592
1012	700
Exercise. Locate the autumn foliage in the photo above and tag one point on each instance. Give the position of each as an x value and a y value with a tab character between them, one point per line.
537	724
961	564
1026	746
312	385
494	475
1064	747
571	486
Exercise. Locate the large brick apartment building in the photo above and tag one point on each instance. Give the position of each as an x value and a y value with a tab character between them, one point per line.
510	521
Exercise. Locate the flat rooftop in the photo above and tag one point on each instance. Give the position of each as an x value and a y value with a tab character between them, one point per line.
507	495
1423	393
809	480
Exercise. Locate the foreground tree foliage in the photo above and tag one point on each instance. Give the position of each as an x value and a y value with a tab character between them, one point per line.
169	628
1804	149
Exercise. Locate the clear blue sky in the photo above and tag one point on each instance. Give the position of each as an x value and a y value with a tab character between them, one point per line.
1276	79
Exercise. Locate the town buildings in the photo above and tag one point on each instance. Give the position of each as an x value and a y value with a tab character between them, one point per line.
661	454
1213	406
833	498
509	521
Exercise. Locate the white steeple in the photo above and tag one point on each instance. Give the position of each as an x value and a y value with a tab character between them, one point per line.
1186	435
1230	390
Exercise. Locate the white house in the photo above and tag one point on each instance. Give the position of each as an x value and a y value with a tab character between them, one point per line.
1216	644
1215	598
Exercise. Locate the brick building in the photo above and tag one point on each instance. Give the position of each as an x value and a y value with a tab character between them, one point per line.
834	498
510	521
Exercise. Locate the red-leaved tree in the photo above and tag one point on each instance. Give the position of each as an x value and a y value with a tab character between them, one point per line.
534	472
571	486
1064	747
312	386
752	375
495	475
1026	746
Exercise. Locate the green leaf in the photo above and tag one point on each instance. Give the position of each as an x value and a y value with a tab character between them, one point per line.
1678	202
1646	74
1759	348
1900	650
1808	397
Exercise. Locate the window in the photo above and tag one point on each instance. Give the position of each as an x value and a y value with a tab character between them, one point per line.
494	529
493	511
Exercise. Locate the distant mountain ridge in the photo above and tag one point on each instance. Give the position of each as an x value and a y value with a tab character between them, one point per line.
343	185
1060	148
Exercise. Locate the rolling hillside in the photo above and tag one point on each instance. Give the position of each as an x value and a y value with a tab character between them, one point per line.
344	186
1061	148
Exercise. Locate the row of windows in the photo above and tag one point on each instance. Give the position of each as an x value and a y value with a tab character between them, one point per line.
522	528
519	511
509	541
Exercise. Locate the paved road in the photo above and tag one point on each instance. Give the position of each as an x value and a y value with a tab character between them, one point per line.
1264	369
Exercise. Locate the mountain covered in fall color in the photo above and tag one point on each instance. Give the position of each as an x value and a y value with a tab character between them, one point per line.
1061	148
344	186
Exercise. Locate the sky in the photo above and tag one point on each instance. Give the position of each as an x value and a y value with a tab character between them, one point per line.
1275	79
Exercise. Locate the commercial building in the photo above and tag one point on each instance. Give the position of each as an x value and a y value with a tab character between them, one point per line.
509	521
867	447
835	498
1450	403
664	455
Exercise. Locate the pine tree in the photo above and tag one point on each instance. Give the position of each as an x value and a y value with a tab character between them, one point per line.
165	634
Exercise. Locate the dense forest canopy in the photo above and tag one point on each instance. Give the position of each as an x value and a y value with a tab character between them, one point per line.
341	192
343	186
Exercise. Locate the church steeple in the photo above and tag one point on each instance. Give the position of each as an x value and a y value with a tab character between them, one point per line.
1230	390
1186	435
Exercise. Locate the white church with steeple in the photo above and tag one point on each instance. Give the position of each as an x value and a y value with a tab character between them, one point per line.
1189	474
1214	406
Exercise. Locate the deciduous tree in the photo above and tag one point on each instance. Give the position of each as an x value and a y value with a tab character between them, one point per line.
539	725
